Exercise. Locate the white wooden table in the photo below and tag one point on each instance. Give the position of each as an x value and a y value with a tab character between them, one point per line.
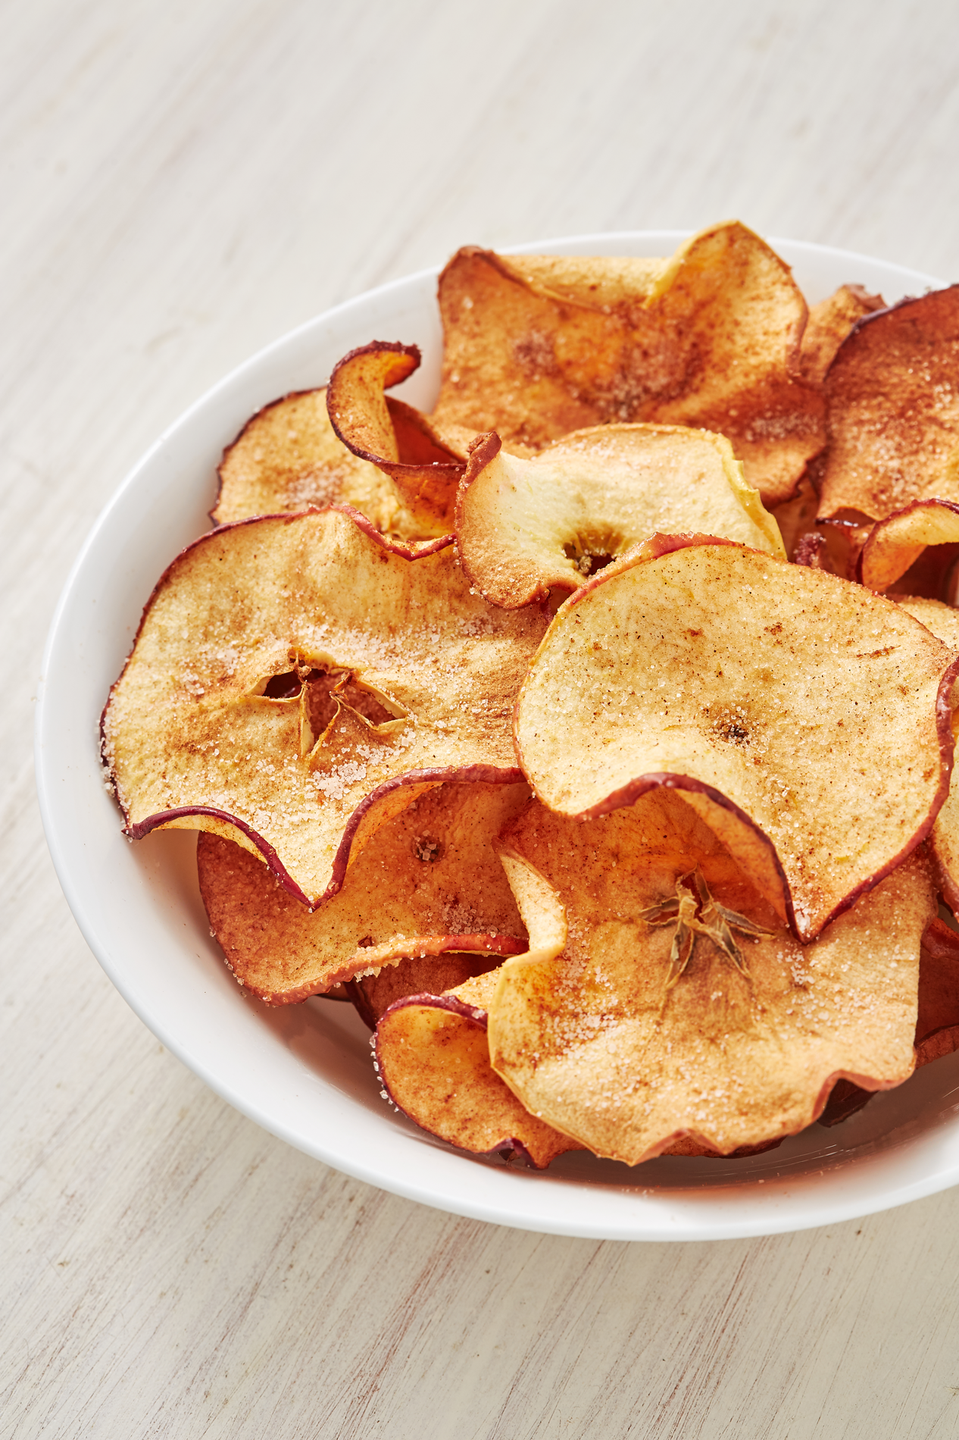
182	183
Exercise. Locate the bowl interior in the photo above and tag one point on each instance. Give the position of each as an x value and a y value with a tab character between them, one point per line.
304	1072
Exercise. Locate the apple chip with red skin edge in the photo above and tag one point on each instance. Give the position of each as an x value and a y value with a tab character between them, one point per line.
536	347
896	543
432	1058
679	1005
288	457
427	882
372	995
892	396
809	711
395	437
525	526
296	680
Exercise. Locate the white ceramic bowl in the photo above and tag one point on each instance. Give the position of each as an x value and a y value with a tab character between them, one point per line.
304	1072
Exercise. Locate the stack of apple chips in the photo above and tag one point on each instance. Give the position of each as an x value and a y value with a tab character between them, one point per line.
568	730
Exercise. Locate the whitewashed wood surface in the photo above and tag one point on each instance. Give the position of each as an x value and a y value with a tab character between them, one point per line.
182	182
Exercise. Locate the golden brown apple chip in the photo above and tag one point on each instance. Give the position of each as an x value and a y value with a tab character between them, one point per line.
937	1022
680	1006
802	705
943	621
828	325
710	338
433	1061
523	526
372	995
427	882
291	671
893	410
288	457
896	543
392	435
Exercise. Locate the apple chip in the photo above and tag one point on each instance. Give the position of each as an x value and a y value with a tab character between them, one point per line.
392	435
288	457
433	1061
680	1006
523	526
427	882
811	712
372	995
943	621
937	1021
828	325
536	348
893	410
896	543
296	680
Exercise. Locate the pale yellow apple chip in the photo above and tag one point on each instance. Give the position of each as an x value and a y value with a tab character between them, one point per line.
289	457
896	543
392	435
433	1061
427	882
803	706
290	671
893	410
537	348
829	324
524	526
680	1007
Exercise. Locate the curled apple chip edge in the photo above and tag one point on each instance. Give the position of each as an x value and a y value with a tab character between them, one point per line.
428	882
721	671
896	543
525	526
893	410
424	464
680	1007
288	457
331	675
709	338
432	1059
372	995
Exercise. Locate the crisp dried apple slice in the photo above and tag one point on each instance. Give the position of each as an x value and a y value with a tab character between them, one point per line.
524	526
896	543
372	995
937	1020
535	348
289	667
829	323
680	1006
806	708
289	457
427	882
893	410
432	1058
392	435
943	621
